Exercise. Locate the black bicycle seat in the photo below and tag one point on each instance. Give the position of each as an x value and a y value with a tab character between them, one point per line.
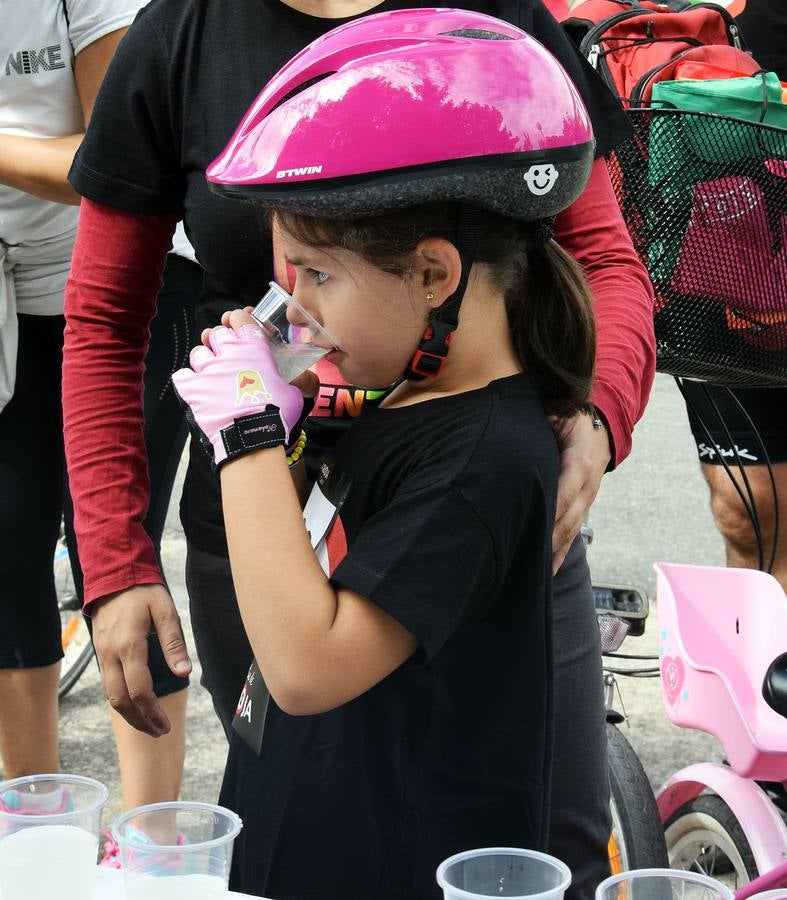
774	687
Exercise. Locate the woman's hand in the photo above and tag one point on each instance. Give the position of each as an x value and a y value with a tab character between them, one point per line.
121	625
236	398
585	453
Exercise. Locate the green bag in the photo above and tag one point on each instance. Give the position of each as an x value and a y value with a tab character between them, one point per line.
756	98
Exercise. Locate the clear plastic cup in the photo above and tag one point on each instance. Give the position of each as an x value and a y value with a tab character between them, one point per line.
662	884
503	872
176	851
49	840
294	347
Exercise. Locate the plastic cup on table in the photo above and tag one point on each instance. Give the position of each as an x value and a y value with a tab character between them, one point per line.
49	838
295	347
503	872
662	884
176	851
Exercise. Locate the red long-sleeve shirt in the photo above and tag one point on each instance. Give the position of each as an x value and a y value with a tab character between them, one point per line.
110	300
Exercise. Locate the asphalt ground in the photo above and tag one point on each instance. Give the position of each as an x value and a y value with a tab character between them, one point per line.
655	507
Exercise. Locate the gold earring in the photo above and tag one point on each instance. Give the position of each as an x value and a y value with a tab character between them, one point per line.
429	297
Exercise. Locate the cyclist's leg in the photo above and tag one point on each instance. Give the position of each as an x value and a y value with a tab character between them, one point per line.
151	768
766	408
736	527
31	477
580	821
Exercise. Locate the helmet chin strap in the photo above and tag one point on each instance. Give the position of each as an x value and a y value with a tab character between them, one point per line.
431	353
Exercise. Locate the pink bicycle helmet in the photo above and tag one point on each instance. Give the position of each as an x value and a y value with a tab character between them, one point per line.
408	107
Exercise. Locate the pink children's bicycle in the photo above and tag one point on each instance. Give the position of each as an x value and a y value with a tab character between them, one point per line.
723	660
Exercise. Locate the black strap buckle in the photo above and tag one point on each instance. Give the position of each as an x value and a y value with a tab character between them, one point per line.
428	359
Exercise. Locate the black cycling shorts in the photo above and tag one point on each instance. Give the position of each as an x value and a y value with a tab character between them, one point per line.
767	409
32	496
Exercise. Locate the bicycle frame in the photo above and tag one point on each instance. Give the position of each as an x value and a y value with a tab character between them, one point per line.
776	878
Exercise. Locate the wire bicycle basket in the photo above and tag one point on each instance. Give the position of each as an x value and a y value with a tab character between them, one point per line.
704	197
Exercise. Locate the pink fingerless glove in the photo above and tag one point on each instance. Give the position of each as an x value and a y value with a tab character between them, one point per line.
235	397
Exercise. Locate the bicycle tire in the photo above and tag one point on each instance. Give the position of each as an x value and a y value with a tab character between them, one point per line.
74	636
71	675
697	832
637	840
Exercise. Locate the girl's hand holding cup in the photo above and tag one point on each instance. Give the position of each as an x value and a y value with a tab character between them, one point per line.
235	398
307	381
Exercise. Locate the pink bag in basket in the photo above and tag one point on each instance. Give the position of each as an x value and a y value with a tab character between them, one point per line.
734	249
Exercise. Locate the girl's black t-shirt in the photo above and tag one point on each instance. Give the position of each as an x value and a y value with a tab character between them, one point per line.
179	84
428	518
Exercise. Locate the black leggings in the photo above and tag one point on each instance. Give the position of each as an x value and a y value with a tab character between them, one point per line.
32	470
31	490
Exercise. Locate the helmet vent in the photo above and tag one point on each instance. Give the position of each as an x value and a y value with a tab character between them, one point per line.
479	34
302	87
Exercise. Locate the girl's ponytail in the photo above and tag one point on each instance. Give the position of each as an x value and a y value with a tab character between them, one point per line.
550	312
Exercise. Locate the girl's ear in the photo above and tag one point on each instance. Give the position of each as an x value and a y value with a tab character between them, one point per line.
438	269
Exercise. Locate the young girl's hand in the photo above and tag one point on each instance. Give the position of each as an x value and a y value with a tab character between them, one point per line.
235	397
307	382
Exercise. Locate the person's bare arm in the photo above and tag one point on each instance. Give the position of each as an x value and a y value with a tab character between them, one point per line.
39	166
317	647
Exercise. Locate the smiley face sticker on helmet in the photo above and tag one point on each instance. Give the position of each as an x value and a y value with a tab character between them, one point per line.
541	179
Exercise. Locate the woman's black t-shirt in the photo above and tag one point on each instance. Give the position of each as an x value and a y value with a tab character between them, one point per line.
179	84
446	524
764	28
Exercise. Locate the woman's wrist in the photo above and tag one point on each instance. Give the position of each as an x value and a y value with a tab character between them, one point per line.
595	418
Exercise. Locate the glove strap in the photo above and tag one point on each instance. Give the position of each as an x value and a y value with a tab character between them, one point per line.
253	432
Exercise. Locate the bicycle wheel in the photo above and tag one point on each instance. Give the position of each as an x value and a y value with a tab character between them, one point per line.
704	836
77	646
637	839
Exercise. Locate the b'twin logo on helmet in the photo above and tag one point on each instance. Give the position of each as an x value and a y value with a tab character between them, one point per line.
303	170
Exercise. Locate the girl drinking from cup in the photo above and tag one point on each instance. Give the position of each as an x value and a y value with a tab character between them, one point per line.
412	162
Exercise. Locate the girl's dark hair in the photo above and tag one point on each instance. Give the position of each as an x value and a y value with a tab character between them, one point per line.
547	299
